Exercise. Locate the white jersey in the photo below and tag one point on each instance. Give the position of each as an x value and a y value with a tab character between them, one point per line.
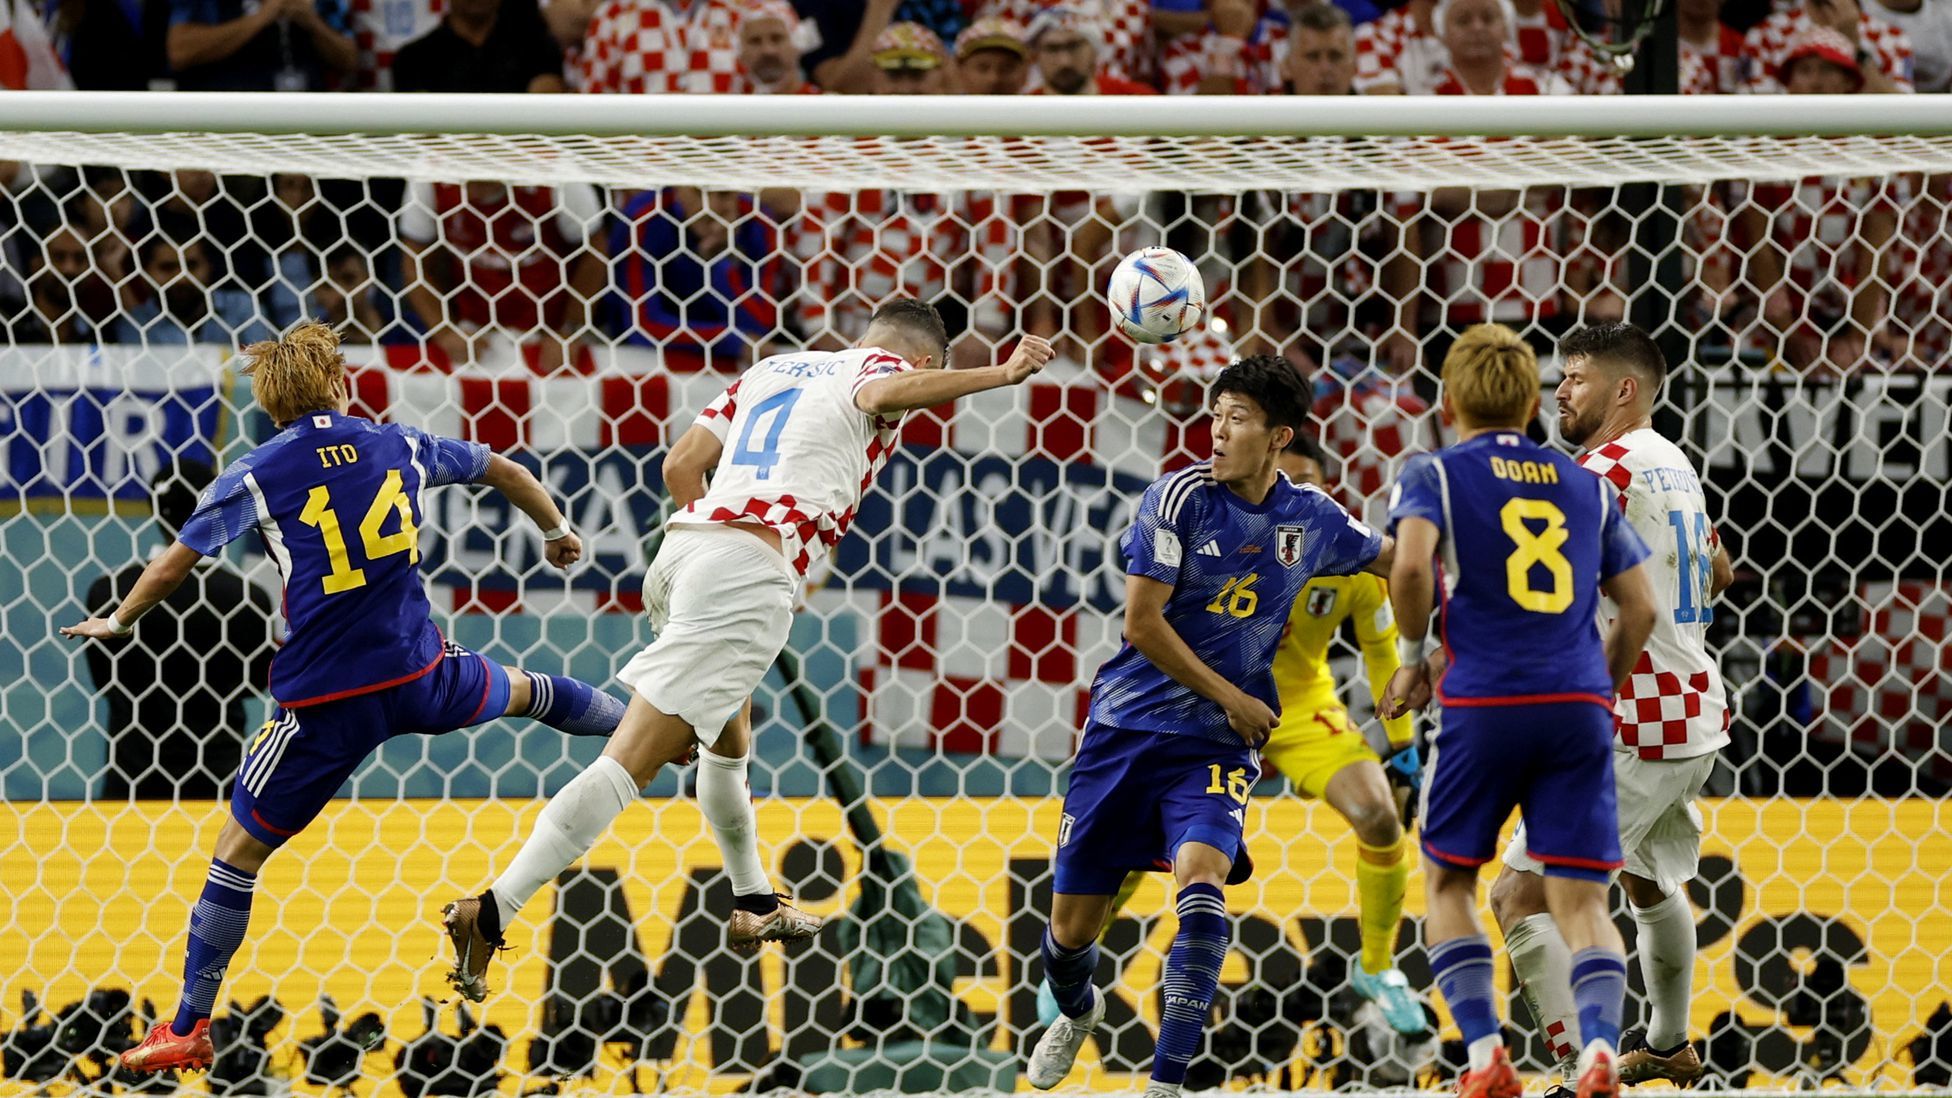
1673	706
799	454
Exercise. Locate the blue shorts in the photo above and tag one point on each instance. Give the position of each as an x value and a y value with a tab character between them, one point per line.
1554	763
1137	797
302	756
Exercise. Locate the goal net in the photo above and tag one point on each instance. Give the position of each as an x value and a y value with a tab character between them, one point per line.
571	281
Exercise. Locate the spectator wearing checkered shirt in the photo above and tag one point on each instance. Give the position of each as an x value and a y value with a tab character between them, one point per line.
381	27
697	277
272	45
1818	249
1492	255
482	46
991	58
1232	55
1314	271
1928	23
662	47
1400	54
1069	236
1711	50
1881	51
769	50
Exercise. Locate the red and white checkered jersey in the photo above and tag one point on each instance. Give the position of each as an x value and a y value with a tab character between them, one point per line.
639	46
1673	706
1394	50
1768	43
798	454
1713	70
1251	65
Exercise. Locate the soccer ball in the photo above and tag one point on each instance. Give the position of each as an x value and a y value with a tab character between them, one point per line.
1156	295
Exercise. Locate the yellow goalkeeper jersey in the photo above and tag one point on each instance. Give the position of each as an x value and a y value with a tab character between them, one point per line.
1301	672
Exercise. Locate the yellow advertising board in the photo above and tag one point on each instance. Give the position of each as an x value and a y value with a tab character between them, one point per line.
99	895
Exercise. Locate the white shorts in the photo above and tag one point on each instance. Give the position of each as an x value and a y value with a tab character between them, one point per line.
1660	827
720	602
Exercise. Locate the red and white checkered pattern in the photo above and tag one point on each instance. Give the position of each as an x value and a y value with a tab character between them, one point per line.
1507	267
1394	50
1923	266
1819	222
861	249
380	28
1252	65
1890	688
1673	705
640	46
1768	43
1126	25
1713	70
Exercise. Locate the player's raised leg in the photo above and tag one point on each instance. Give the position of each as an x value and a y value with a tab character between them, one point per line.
1361	794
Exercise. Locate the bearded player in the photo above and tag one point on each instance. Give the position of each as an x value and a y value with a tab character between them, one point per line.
1670	718
335	500
790	448
1214	560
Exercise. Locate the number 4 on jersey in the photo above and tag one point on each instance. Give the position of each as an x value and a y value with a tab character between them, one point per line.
773	412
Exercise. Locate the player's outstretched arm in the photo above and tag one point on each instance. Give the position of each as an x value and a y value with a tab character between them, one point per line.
1412	593
560	545
1633	595
912	389
158	581
1156	639
685	467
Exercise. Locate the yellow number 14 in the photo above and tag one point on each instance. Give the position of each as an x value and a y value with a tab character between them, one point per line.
390	500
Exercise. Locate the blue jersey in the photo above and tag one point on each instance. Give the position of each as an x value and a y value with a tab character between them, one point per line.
336	500
1526	538
1235	568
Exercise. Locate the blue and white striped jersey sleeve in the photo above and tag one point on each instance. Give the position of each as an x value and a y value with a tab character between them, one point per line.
1156	543
224	512
449	460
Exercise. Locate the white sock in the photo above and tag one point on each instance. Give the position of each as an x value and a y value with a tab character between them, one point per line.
1481	1050
1666	950
1593	1049
1544	966
725	800
570	824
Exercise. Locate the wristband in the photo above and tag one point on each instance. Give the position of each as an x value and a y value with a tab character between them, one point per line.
1409	652
558	533
116	627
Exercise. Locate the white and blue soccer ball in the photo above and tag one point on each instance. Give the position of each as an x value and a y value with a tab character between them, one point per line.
1156	295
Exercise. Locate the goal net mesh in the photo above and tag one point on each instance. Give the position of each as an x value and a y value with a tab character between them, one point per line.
574	302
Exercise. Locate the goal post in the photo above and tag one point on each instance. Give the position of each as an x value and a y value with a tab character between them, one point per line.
570	279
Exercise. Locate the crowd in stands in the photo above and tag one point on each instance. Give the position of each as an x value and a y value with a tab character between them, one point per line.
1826	274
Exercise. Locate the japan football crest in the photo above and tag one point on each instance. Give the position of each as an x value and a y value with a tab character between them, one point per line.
1321	601
1287	545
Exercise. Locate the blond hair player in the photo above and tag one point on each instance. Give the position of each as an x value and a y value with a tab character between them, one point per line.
790	448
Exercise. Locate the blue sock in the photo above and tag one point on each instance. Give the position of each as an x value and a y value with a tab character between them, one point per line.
572	705
1068	972
1462	969
1192	976
1599	990
216	930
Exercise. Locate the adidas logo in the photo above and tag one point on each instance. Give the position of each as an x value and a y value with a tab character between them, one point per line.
1210	549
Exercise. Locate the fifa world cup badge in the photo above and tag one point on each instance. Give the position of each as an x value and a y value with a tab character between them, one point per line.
1287	545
